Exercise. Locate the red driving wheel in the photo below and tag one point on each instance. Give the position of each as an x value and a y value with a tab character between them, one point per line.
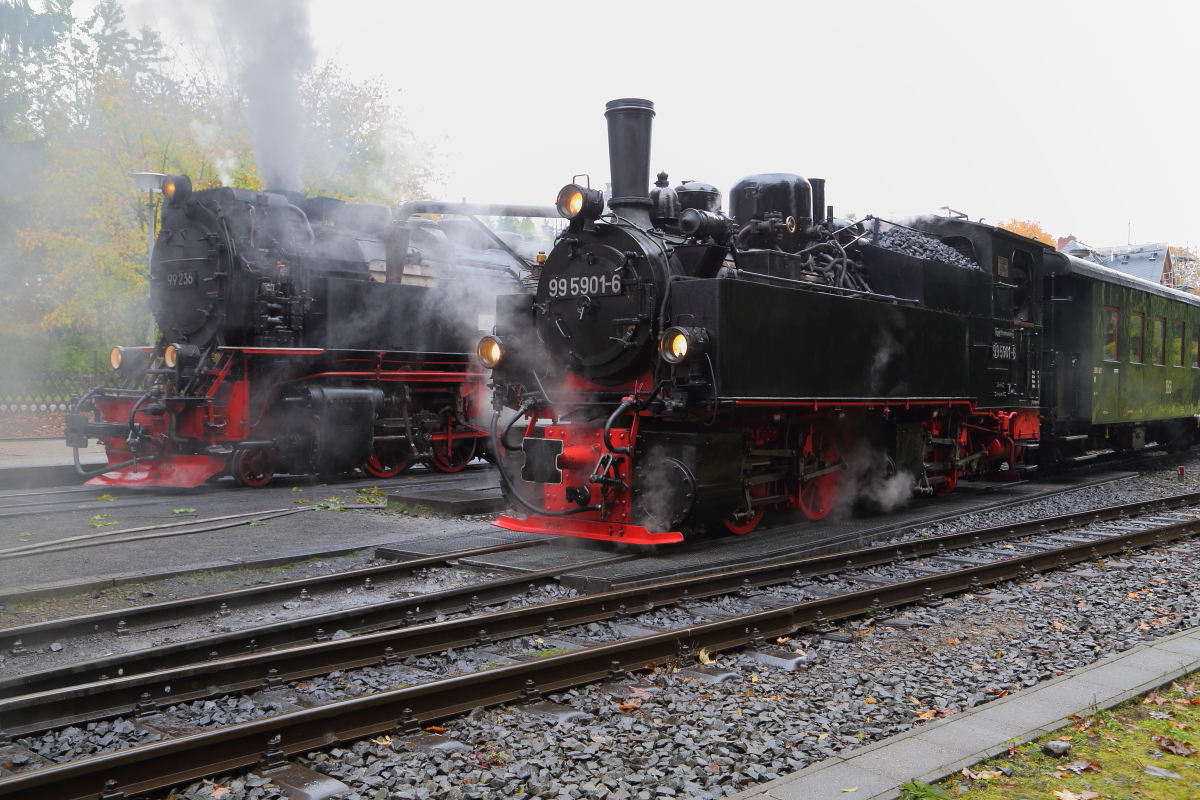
747	524
815	497
388	458
456	456
255	467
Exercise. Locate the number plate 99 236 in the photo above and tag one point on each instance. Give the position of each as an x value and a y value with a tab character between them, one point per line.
605	284
181	280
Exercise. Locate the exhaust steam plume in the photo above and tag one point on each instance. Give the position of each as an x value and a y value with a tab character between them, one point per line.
273	41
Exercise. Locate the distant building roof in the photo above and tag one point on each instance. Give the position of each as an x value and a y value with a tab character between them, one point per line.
1150	262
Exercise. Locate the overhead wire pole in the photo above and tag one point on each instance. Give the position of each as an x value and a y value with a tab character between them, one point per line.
149	182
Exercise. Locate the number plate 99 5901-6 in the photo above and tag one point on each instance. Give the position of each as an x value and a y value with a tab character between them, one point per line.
183	279
606	284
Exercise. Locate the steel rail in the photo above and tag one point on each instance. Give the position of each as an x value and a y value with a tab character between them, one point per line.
170	612
39	710
289	633
161	764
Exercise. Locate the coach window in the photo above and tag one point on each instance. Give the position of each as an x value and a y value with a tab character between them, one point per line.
1177	344
1137	333
1196	346
1158	341
1110	333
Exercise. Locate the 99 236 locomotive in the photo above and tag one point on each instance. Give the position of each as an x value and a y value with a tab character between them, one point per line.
679	368
305	335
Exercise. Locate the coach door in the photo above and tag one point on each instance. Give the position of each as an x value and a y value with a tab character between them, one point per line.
1066	398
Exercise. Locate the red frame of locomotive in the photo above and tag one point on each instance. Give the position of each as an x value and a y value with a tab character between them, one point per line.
224	415
995	434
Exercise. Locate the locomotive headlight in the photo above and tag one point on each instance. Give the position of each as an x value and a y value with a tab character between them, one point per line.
580	201
177	188
680	344
171	356
490	352
114	357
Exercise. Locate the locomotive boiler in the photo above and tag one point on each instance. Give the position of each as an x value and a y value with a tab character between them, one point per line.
679	367
305	335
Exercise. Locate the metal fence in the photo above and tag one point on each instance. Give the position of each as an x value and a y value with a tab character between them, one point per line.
43	391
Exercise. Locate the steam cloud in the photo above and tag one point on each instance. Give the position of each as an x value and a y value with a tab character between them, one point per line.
272	38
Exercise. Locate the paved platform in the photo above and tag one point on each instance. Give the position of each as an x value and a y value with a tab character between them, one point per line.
937	750
477	498
32	463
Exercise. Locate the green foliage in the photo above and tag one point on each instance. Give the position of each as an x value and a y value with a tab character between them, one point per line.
918	790
86	102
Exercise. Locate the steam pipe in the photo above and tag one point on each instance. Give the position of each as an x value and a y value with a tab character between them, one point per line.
624	451
818	199
468	209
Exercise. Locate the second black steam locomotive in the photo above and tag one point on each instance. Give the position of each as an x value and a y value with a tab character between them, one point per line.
680	367
305	335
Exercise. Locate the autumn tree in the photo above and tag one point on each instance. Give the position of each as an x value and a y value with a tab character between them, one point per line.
1031	229
99	102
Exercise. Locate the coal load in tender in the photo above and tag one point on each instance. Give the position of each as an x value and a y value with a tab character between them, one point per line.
919	245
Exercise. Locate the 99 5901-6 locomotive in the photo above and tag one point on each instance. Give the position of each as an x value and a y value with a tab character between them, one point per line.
679	368
305	335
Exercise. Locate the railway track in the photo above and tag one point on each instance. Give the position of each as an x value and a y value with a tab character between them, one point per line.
737	610
356	620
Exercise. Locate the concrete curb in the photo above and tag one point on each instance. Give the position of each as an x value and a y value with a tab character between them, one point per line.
937	750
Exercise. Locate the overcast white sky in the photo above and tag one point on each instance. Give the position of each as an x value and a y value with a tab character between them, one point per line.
1082	115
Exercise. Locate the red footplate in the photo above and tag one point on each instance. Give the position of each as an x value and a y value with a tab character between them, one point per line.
588	529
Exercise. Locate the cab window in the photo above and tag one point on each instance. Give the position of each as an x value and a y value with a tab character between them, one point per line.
1110	333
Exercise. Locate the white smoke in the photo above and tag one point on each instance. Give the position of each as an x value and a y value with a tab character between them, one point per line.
207	135
274	45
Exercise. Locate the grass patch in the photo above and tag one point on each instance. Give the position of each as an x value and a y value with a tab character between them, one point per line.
1146	749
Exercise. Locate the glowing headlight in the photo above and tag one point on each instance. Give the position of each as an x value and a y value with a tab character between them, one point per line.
490	352
171	356
114	358
177	188
579	201
680	344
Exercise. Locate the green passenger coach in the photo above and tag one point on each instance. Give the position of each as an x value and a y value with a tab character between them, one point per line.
1123	358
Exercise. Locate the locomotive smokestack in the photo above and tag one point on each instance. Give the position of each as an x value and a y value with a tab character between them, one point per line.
629	123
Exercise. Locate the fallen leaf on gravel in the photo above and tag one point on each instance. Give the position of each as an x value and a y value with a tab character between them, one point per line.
183	511
822	736
870	700
436	729
255	522
96	524
1083	766
927	715
952	640
704	657
383	742
783	640
102	516
638	691
1058	625
631	706
106	498
1173	745
851	789
977	667
754	679
1154	699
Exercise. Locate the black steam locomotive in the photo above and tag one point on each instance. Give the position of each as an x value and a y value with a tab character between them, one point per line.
679	367
305	335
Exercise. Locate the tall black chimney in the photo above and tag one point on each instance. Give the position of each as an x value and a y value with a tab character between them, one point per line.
629	122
